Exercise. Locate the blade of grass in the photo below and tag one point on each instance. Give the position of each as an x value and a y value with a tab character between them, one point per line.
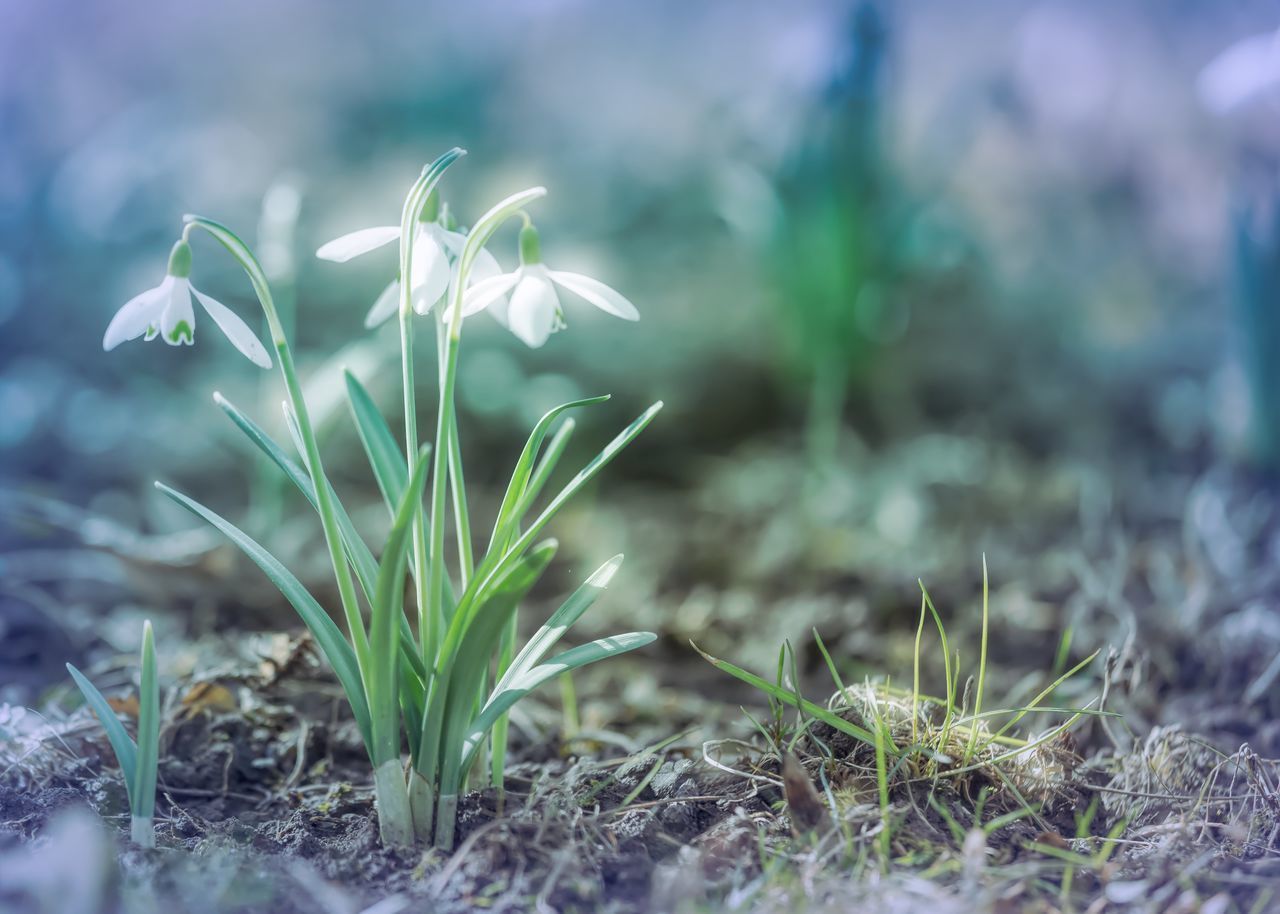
788	697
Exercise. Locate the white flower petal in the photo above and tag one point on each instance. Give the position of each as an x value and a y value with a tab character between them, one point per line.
534	307
178	320
451	241
606	299
485	266
138	315
340	250
386	305
430	272
235	329
483	294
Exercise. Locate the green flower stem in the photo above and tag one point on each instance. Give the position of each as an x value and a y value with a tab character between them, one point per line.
486	225
428	624
415	203
457	481
324	498
480	234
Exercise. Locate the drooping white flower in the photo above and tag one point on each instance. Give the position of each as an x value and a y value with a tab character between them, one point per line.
534	312
166	312
435	247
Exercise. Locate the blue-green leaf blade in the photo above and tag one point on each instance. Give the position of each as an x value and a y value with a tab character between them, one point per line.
125	748
329	637
502	700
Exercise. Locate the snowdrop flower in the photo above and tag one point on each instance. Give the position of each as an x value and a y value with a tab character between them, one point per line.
435	247
534	311
166	312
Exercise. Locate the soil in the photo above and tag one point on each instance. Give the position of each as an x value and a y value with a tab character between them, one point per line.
675	798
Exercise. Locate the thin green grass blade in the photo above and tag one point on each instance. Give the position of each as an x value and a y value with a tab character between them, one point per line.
385	457
982	661
382	676
790	698
125	748
329	637
142	799
1045	693
831	664
946	661
572	659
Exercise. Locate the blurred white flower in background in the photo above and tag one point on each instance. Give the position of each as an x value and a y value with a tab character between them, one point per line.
1246	73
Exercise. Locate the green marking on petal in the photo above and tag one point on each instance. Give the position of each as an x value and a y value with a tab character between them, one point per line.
152	332
181	331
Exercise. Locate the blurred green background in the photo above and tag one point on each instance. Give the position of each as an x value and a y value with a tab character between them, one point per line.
998	230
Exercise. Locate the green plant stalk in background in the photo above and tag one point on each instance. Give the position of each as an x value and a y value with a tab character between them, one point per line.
139	760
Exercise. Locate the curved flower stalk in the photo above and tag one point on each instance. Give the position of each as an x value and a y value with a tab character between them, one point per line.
435	248
165	312
534	311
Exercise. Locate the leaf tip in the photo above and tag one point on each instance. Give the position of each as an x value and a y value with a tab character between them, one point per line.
604	574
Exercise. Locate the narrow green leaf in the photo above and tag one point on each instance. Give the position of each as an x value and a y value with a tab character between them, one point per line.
790	698
516	488
560	622
463	662
362	560
142	799
333	645
385	457
546	466
388	605
470	664
587	473
481	582
125	748
529	679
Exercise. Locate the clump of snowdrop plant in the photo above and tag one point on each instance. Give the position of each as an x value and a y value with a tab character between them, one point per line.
443	682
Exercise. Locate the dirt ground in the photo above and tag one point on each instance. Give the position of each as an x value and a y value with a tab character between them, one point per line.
670	798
